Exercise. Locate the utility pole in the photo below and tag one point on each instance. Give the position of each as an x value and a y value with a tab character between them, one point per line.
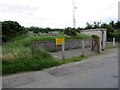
74	20
119	11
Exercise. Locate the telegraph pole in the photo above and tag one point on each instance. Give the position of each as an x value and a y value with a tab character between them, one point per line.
74	20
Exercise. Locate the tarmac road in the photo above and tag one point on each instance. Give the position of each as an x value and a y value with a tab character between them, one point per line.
100	71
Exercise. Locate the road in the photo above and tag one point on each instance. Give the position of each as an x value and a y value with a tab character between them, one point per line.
100	71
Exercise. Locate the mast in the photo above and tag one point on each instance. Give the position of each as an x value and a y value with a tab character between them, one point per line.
74	20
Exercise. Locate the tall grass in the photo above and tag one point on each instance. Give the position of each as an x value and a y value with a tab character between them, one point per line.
22	59
17	55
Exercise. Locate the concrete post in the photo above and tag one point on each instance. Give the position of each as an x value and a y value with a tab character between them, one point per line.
63	50
83	47
113	42
103	44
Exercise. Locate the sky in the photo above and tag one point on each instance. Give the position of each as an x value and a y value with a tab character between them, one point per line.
58	13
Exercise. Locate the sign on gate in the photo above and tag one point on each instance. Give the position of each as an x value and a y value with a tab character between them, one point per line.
59	41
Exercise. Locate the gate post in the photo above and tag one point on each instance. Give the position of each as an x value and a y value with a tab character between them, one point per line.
103	44
92	45
99	45
113	42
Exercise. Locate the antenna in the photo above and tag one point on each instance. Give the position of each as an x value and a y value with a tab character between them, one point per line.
74	20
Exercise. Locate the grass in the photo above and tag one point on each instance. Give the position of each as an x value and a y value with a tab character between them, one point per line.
23	65
22	59
26	61
26	40
73	59
18	57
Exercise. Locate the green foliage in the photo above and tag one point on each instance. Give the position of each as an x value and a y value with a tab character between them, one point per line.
88	26
112	29
116	33
71	31
73	59
93	26
43	30
95	37
21	59
117	25
82	36
11	29
18	57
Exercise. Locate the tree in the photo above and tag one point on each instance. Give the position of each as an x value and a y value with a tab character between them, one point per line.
70	31
88	26
11	29
109	29
35	29
117	25
96	25
112	24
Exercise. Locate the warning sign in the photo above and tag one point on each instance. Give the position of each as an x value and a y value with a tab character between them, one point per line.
59	41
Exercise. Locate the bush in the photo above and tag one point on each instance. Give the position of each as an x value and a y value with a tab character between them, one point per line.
70	32
11	29
95	37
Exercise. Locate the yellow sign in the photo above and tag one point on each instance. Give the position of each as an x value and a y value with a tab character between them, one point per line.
59	41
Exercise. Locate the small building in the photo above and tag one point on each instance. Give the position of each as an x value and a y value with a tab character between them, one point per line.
101	32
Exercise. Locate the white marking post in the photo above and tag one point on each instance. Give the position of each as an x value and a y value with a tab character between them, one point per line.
113	42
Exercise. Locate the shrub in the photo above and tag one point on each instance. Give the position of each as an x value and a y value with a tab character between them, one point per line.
70	32
95	37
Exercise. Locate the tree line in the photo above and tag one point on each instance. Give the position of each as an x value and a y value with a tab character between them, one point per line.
11	29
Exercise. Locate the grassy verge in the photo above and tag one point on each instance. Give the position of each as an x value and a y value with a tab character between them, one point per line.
18	57
26	61
73	59
23	60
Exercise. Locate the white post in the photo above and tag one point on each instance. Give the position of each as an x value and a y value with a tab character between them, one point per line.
103	44
113	42
83	47
63	50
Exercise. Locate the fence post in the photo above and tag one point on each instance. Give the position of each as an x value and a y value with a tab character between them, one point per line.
83	47
99	49
113	42
63	50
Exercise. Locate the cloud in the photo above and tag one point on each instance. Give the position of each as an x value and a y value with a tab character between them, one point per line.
57	13
16	8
